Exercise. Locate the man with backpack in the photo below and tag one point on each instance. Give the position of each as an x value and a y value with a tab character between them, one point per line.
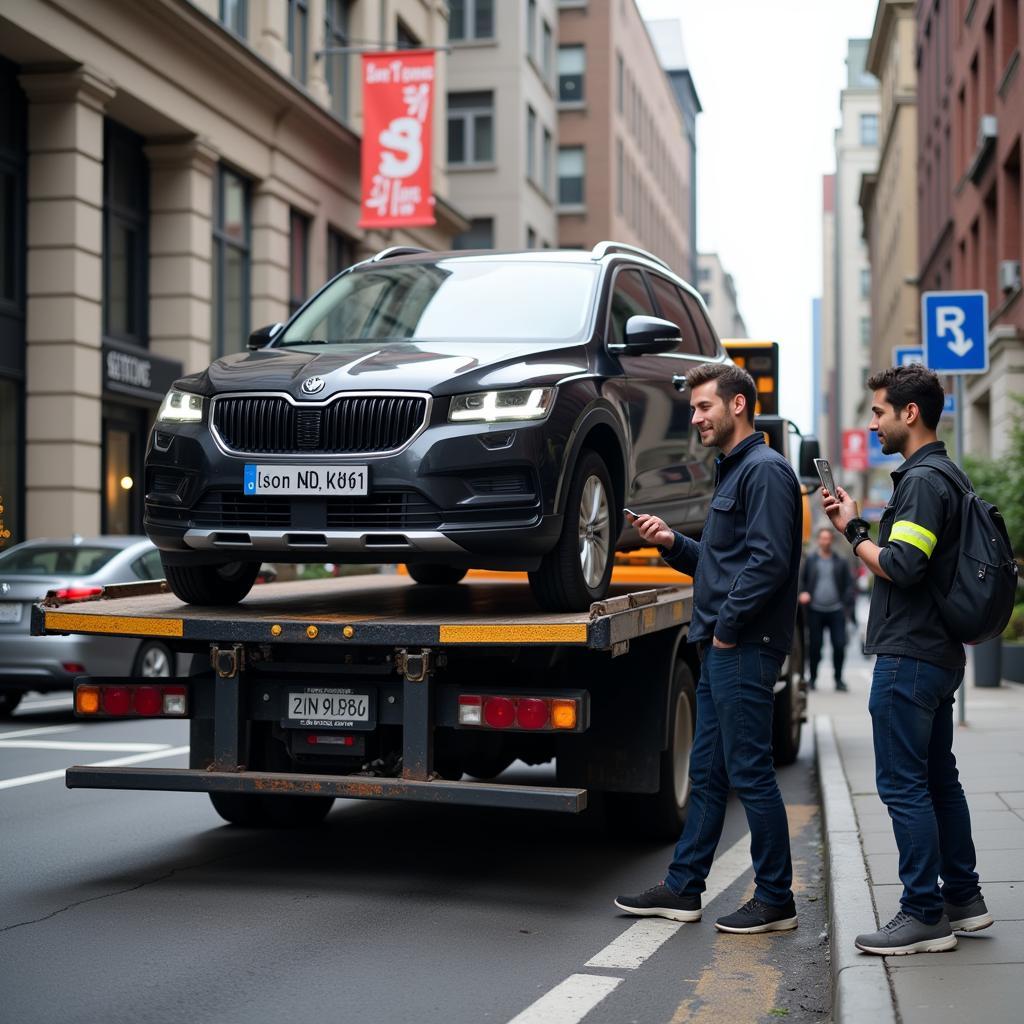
926	567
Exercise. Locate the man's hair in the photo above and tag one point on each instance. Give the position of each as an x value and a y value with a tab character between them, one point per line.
913	383
730	381
825	529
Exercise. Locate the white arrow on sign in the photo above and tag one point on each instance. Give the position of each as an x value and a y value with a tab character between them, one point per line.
951	319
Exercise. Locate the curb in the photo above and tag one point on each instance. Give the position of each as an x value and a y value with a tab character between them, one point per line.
860	984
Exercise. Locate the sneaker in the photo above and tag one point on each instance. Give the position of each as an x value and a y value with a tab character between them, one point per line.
661	901
971	917
905	934
812	684
755	916
841	687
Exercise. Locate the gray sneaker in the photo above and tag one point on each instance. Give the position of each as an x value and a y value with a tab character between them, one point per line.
971	917
905	934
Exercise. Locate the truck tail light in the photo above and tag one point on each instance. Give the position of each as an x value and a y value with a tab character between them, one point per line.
129	700
532	714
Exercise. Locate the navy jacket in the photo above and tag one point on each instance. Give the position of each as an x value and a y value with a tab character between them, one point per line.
746	567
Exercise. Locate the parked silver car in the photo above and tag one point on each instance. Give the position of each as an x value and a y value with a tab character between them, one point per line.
78	566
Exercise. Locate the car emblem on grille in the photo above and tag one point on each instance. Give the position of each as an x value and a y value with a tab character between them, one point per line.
5	587
312	385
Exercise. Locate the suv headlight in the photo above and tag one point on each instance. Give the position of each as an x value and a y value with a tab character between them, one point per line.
501	406
180	407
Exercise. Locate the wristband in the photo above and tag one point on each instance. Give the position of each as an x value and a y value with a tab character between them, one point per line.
856	531
857	541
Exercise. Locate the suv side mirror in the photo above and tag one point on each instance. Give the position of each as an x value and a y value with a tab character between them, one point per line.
649	334
810	450
262	336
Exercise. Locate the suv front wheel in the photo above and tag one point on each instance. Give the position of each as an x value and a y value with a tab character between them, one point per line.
575	573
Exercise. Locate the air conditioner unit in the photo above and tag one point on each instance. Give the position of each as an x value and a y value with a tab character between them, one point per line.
1009	275
987	129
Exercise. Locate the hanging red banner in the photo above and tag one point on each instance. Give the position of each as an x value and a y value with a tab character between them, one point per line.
398	108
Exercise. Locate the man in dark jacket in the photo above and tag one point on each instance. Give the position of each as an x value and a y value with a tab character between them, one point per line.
919	668
745	571
826	589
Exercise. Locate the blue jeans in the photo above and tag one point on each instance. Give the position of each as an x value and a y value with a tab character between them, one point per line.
911	709
733	744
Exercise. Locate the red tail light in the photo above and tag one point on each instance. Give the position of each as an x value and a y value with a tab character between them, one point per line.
531	713
131	700
148	701
499	712
115	700
490	711
78	593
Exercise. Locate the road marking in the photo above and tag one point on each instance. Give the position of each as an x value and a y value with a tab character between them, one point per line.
570	1001
640	941
117	762
80	745
19	733
40	705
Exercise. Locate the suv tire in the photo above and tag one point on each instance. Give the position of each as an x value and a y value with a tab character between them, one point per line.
576	571
212	584
439	575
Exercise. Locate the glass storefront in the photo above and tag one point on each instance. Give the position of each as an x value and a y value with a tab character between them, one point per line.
125	430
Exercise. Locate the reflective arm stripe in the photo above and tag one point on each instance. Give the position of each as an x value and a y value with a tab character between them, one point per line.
912	533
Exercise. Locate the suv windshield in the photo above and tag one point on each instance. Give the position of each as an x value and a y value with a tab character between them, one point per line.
476	300
55	561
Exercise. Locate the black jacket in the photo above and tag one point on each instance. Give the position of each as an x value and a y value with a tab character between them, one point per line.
920	539
745	568
841	569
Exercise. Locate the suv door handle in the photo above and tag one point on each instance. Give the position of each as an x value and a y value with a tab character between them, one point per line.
679	381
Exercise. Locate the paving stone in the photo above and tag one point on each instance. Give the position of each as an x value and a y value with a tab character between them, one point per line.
1005	900
947	989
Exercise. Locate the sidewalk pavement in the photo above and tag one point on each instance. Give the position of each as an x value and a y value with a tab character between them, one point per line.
980	979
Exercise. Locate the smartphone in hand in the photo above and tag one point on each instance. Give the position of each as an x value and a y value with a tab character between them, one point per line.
825	475
630	512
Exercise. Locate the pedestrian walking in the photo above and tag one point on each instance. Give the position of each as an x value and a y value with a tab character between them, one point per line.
918	669
745	571
826	589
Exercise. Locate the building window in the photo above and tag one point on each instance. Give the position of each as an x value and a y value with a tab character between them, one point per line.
865	331
479	236
405	38
531	29
298	263
620	182
470	128
545	50
126	245
571	173
869	129
572	64
546	153
865	282
619	83
470	19
298	37
336	64
234	16
531	143
341	252
231	267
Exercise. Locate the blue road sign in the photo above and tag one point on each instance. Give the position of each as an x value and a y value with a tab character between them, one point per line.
955	329
876	457
949	406
904	355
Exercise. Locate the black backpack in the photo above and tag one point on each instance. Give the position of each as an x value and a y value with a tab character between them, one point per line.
981	596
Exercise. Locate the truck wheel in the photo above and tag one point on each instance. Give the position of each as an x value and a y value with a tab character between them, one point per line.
787	718
661	815
258	811
9	700
576	571
212	584
154	661
441	575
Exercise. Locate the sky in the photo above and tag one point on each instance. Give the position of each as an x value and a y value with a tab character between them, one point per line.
768	74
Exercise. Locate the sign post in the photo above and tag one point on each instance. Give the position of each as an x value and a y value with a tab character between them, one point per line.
955	336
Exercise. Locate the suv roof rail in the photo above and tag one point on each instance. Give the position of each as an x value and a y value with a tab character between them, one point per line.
603	249
397	250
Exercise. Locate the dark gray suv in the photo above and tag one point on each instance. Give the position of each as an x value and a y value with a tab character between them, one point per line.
445	410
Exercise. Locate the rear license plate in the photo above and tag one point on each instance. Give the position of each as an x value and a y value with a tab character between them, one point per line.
10	612
325	480
338	708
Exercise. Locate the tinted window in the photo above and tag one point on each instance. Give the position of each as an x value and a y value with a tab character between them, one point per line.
55	561
705	332
630	298
670	304
149	566
478	300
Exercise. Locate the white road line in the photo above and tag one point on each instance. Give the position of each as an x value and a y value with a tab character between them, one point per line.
79	745
570	1001
19	733
117	762
641	940
40	705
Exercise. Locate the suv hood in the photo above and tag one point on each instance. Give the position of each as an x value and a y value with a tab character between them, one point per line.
442	368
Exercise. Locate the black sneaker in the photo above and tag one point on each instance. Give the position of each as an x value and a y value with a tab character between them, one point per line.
971	917
755	916
661	901
905	934
841	687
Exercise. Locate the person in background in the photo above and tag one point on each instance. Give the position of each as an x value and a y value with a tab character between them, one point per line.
826	590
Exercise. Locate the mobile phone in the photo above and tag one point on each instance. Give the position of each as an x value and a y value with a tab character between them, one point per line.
825	475
630	512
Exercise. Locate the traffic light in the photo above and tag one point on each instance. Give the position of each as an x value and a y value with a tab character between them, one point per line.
761	360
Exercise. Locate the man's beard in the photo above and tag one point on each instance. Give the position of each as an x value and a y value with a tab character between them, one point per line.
894	441
720	435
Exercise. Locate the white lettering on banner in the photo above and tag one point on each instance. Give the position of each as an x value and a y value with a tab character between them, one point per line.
125	369
950	319
403	135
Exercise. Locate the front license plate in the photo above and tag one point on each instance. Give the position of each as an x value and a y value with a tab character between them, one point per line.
325	480
10	612
339	708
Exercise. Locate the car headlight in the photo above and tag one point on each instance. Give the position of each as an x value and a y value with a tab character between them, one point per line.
501	406
180	407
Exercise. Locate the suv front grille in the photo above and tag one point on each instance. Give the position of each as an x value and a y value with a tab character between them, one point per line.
348	425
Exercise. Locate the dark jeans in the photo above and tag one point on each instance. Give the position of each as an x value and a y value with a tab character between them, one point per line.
911	709
835	623
733	744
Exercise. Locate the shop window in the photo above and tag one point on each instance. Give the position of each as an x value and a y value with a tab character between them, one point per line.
125	242
124	430
231	263
11	468
299	260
